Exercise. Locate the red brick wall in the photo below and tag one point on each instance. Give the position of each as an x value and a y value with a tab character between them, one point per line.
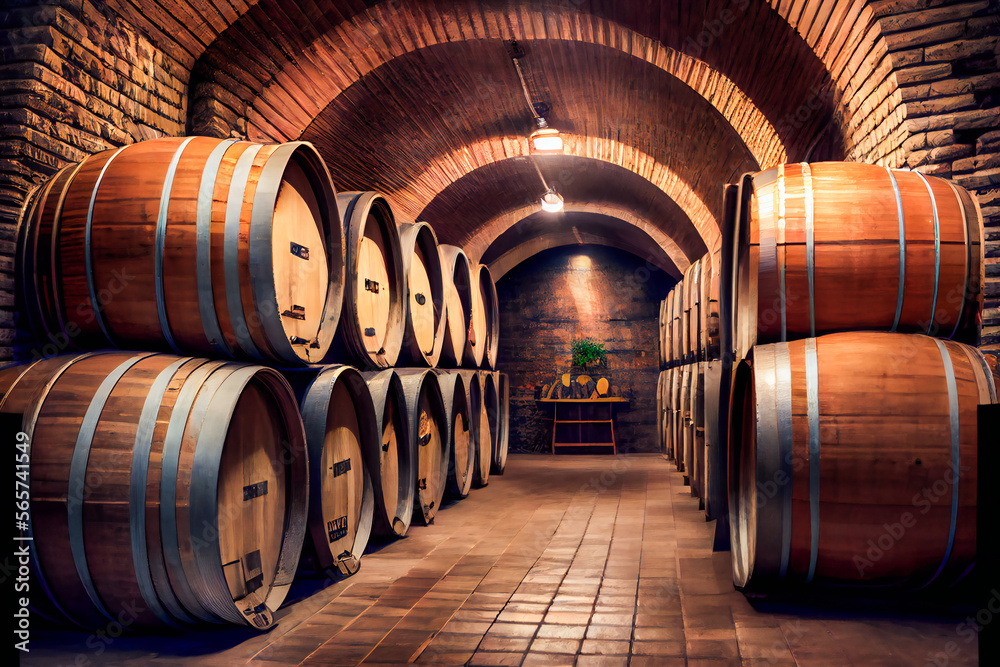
562	293
76	79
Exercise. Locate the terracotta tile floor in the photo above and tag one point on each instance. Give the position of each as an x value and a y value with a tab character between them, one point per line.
568	560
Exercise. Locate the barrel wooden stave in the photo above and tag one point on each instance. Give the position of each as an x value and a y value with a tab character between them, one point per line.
884	438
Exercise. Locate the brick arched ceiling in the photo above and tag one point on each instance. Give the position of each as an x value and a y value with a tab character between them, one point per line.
500	195
410	97
541	231
279	99
416	125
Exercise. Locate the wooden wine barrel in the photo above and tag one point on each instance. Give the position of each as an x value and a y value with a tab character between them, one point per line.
491	308
371	330
217	247
429	444
458	304
491	411
718	379
344	442
692	312
667	326
425	318
685	436
676	330
675	444
661	338
853	460
503	424
716	471
394	479
711	277
482	434
661	410
171	490
462	463
481	341
697	429
845	246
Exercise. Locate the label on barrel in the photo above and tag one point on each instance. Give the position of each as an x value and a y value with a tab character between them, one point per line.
341	467
296	313
337	528
252	491
300	250
371	285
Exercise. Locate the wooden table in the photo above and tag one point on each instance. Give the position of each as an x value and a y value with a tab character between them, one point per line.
583	422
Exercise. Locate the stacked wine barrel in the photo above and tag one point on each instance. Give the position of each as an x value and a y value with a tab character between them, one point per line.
850	307
689	344
312	416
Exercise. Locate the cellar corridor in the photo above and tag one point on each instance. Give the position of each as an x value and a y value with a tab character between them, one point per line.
581	560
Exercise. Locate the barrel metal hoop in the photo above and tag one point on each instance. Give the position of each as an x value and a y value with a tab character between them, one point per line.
261	260
807	184
206	295
161	241
968	260
78	473
172	441
783	400
28	426
812	401
98	308
937	251
234	210
902	248
137	491
953	414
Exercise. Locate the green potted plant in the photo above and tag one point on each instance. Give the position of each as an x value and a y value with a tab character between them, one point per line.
587	351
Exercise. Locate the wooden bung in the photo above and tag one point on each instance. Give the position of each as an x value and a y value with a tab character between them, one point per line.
172	489
853	460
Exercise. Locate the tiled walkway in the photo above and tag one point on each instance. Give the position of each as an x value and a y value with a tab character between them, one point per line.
568	560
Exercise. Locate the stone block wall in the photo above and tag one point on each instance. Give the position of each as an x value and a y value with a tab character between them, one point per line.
574	291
